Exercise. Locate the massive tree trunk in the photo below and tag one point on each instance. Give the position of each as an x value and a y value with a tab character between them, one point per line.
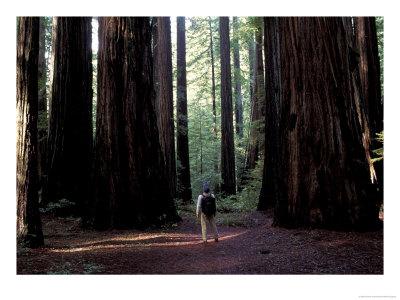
29	228
236	76
70	138
227	146
325	175
184	189
256	139
366	44
132	189
269	194
165	112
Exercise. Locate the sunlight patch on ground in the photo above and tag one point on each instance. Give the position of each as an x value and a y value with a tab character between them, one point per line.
141	242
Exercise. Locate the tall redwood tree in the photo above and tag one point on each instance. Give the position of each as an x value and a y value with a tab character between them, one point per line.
70	137
29	228
131	185
325	175
165	111
227	146
184	190
269	194
366	44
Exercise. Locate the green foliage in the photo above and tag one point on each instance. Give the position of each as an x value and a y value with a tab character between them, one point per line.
378	152
48	25
61	207
204	147
42	123
380	35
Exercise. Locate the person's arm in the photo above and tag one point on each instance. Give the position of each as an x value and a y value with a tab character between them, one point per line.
212	195
198	205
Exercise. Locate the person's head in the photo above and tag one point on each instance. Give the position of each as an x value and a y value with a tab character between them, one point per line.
206	188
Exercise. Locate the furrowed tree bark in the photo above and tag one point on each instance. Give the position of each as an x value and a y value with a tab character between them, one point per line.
70	138
228	186
366	43
132	189
154	30
165	112
236	76
29	228
325	175
184	189
269	194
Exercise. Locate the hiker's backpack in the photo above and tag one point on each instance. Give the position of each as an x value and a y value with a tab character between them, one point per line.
208	206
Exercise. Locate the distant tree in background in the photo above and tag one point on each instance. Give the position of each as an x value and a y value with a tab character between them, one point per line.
227	146
237	77
42	103
184	189
213	92
256	140
29	228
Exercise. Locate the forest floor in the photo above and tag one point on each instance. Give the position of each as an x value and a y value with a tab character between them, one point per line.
248	244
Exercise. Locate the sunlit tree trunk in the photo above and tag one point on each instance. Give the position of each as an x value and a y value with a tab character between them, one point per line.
238	86
165	111
244	175
227	146
325	175
29	228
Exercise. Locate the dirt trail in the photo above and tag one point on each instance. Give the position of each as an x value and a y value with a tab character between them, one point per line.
257	248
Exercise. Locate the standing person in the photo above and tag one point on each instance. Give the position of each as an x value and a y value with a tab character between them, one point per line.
206	208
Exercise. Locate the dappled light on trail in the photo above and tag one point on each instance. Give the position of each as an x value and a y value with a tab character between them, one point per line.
141	241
